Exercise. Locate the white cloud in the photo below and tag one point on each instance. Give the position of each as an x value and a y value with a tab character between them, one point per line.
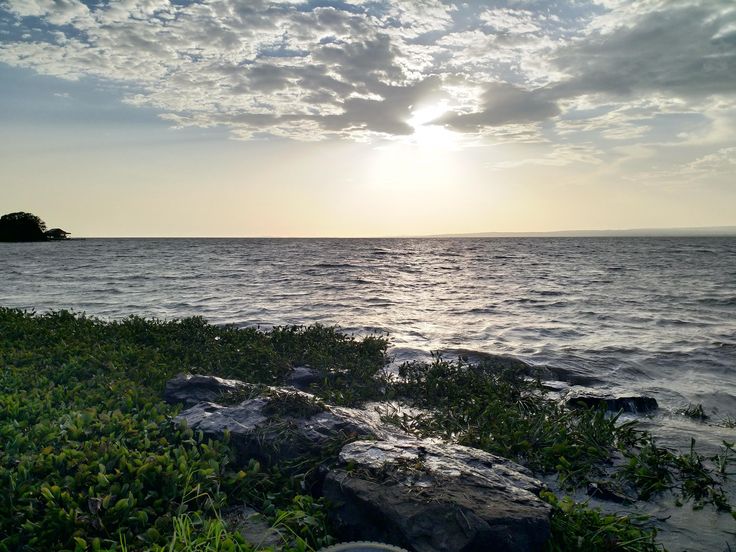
604	70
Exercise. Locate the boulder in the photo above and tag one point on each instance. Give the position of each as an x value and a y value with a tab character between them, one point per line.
282	425
191	389
301	377
429	497
591	398
384	485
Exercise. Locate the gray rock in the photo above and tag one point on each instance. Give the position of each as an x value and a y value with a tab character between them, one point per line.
302	377
190	389
420	494
430	497
281	425
254	527
591	398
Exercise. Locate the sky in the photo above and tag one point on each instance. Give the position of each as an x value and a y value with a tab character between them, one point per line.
367	117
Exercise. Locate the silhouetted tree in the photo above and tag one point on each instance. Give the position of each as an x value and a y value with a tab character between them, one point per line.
22	227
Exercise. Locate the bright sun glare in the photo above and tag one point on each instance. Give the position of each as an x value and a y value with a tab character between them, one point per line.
431	135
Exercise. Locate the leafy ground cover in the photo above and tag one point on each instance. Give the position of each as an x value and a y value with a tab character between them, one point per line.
91	461
89	456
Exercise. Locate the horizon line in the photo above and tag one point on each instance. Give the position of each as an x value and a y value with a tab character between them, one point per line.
665	231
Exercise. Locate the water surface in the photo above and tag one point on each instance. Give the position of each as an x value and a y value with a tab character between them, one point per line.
658	314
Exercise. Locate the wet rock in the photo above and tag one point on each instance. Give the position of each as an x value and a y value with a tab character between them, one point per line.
427	496
281	425
604	490
555	386
302	377
568	374
489	360
556	375
190	389
590	398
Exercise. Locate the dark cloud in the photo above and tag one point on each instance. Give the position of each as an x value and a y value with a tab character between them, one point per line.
504	104
683	51
370	61
389	115
268	78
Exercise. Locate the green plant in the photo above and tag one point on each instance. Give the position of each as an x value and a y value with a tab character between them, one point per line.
90	457
696	412
575	526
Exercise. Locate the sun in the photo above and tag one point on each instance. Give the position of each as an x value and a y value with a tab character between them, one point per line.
429	135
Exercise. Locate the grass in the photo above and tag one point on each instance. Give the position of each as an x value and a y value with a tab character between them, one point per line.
577	527
89	454
91	461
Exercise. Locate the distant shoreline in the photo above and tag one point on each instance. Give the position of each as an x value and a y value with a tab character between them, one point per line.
499	235
675	232
685	232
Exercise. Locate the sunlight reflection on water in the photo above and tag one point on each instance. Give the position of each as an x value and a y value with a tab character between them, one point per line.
653	314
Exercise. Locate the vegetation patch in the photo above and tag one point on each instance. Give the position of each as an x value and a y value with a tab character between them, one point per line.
91	461
576	527
292	404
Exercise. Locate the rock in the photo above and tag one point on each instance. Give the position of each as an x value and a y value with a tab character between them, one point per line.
254	527
572	375
190	389
302	377
555	386
488	360
549	375
282	425
427	496
605	490
423	495
592	398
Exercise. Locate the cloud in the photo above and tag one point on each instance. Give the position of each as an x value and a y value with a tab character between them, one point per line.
504	104
57	12
389	114
684	51
355	69
722	161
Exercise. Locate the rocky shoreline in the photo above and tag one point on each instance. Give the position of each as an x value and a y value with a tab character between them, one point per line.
275	443
383	484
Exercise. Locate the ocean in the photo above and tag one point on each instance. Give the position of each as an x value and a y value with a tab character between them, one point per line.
653	316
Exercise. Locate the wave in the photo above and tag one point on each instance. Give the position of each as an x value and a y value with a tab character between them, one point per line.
335	265
718	301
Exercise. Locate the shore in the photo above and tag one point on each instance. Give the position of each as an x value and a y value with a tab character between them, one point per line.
92	460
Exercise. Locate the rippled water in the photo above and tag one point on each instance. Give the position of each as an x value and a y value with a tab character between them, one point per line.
651	315
658	314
